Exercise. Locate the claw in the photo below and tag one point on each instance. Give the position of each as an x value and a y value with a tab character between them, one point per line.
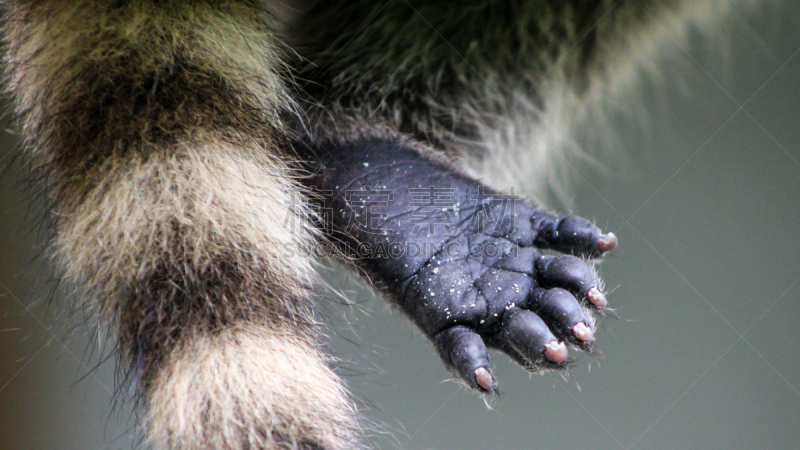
484	378
597	298
583	332
607	242
555	351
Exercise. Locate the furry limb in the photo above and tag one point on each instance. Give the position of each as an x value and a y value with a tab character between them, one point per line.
158	123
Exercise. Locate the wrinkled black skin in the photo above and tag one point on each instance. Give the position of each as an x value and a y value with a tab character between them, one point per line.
468	284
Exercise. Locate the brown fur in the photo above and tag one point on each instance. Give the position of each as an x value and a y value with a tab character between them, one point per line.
159	124
503	87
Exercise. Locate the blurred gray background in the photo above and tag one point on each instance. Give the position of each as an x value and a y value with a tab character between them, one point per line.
706	283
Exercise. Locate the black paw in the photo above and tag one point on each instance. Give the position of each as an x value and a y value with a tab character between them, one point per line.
464	262
484	291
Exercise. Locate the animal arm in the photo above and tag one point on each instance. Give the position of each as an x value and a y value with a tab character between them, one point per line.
169	133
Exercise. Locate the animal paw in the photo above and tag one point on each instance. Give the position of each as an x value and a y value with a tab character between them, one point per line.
465	263
484	290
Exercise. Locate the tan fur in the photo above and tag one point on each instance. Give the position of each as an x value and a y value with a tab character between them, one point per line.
267	389
228	196
177	216
51	44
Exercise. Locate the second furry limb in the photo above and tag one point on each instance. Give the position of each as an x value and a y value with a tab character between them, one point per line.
158	124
